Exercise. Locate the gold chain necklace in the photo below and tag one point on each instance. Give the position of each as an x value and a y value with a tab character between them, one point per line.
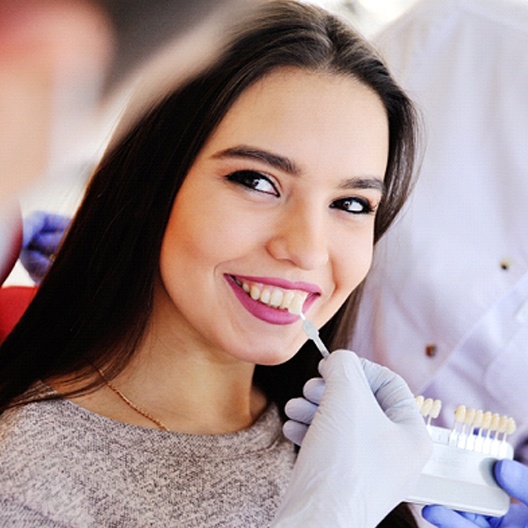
131	404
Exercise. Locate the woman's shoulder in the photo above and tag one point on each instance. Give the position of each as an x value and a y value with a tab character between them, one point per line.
30	422
28	433
33	452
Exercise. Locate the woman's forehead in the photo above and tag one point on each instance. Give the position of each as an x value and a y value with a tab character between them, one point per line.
308	116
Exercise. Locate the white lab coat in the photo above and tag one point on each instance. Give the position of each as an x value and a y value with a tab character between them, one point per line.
446	304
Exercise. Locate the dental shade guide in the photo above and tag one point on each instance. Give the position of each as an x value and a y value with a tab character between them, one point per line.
311	331
459	474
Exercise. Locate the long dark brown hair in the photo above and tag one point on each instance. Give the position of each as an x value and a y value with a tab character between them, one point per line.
93	306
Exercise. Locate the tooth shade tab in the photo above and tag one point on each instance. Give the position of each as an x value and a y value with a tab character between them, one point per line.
460	413
296	305
426	407
435	409
472	429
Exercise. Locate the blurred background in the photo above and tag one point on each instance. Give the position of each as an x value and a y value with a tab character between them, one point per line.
369	15
63	192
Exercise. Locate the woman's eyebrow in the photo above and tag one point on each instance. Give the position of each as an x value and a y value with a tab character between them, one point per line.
274	160
288	166
370	182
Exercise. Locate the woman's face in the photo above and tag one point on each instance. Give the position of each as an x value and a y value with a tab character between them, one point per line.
277	210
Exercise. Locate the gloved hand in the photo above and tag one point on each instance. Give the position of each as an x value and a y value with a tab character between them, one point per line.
42	233
363	451
513	478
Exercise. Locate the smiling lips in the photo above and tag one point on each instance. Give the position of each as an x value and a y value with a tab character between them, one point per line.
279	305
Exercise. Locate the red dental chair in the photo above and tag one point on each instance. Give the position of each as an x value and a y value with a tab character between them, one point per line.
13	299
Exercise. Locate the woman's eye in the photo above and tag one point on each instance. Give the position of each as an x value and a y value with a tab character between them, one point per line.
253	180
353	205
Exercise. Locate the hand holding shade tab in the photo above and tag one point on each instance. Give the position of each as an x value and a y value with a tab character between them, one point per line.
357	403
459	473
311	331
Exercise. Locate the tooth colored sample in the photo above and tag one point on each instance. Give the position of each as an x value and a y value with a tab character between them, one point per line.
495	420
296	305
511	426
435	409
486	420
479	418
470	416
426	407
460	413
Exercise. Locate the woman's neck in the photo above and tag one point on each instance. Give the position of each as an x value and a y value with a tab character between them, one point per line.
178	377
194	393
190	391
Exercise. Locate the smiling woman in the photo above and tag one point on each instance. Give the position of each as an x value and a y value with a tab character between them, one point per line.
254	192
295	168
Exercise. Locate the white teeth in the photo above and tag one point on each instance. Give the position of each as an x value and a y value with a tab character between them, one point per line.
296	305
287	299
254	292
265	296
276	298
290	300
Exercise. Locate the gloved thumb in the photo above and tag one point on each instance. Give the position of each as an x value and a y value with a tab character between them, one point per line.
512	476
393	395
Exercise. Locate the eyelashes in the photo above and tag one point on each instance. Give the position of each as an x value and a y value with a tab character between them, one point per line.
255	181
353	205
261	183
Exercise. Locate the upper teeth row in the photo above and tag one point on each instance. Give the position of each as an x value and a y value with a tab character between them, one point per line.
291	300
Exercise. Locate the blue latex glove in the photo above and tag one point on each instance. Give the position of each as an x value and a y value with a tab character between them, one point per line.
42	233
364	444
512	476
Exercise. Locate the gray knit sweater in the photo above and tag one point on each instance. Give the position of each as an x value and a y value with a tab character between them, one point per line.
63	466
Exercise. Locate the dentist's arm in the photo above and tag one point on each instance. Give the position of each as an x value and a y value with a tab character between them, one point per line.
364	444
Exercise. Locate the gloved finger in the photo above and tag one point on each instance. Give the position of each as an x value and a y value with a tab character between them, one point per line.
340	364
41	221
34	261
482	520
392	393
294	431
56	222
388	394
300	410
46	243
345	369
390	390
516	517
443	517
314	389
512	476
347	383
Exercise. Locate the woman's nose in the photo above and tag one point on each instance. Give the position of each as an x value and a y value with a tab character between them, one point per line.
301	238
